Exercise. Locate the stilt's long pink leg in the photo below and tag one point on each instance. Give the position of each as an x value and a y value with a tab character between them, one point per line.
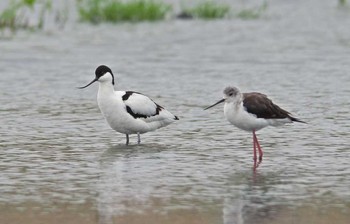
258	145
254	143
255	166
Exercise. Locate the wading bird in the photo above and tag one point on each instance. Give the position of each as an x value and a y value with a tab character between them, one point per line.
128	112
252	112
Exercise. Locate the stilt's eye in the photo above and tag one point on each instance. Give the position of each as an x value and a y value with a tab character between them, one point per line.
231	94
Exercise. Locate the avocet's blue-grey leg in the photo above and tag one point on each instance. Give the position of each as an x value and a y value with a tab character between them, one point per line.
138	138
127	139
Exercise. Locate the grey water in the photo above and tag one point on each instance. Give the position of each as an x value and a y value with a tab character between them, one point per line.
60	161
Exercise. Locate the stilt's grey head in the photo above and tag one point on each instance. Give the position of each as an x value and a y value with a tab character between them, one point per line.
231	94
102	73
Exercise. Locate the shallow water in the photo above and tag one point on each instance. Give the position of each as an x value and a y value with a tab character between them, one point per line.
60	162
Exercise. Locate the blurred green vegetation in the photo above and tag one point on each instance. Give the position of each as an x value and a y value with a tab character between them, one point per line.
208	10
252	13
214	10
97	11
14	15
342	2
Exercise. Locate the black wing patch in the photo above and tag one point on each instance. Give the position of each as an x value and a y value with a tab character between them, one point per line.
127	95
135	115
158	108
261	106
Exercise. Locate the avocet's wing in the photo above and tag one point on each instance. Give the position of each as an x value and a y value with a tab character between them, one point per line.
141	106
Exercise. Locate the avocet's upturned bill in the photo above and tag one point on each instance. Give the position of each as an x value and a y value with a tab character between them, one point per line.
128	112
252	112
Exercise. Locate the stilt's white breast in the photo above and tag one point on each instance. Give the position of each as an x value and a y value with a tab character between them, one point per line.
239	117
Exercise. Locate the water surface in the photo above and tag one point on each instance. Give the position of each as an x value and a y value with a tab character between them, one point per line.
60	162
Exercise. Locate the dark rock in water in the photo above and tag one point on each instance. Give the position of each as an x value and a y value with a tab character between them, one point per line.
184	15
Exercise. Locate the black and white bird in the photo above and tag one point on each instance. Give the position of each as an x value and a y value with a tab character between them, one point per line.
252	112
128	112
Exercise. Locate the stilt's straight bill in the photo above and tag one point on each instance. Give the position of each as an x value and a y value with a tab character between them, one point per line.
220	101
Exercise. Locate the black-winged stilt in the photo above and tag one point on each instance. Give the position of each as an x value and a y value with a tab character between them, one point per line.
252	112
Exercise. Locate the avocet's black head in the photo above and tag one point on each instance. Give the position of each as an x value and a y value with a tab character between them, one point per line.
102	70
102	73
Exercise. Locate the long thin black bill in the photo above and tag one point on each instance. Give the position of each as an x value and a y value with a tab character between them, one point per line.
88	84
220	101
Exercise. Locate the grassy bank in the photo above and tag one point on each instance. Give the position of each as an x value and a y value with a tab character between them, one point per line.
15	15
97	11
252	13
208	10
